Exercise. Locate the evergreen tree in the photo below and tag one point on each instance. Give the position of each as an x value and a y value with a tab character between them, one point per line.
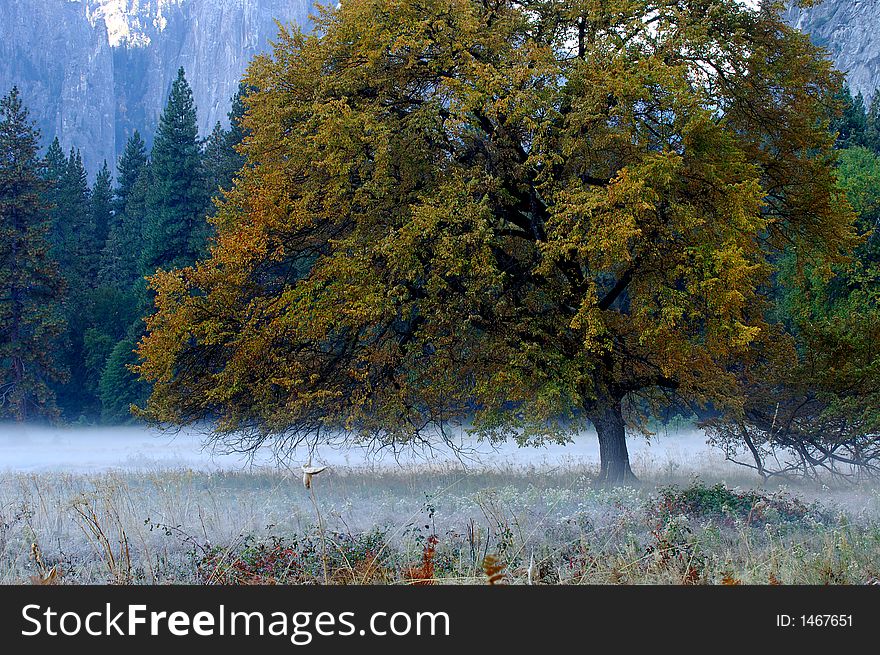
221	159
872	130
119	387
120	265
30	285
114	312
53	171
76	251
102	206
121	259
74	230
175	231
216	162
55	163
129	168
237	129
852	125
119	299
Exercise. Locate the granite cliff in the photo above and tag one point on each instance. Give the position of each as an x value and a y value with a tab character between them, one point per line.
93	71
850	31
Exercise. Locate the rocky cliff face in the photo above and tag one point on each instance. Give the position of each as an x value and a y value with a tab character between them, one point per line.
93	71
850	30
64	67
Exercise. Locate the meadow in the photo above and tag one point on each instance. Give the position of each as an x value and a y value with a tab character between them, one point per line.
688	521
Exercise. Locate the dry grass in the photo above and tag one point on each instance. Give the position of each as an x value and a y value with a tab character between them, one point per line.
418	526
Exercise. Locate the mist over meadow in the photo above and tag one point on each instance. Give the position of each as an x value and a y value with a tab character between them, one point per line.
71	449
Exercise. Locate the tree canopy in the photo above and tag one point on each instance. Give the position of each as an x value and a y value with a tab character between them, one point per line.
518	215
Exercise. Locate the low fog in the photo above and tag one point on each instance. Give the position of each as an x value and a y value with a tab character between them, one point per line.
30	449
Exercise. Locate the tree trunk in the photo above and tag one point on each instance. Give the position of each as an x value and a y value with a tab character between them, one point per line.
613	455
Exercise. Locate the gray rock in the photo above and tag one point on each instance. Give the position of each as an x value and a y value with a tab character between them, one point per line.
93	71
64	68
850	31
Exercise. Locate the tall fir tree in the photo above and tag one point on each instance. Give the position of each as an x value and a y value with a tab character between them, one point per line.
102	205
119	386
120	265
31	323
221	159
76	251
54	163
112	304
872	129
215	162
175	230
74	229
118	300
121	297
852	124
54	169
237	130
129	168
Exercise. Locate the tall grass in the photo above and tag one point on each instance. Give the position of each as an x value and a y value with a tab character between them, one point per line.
437	526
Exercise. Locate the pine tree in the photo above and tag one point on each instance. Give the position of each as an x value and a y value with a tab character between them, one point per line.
852	124
114	312
76	251
102	206
237	129
119	387
120	265
128	170
872	130
74	230
53	171
237	132
175	231
857	118
121	259
215	162
119	300
30	285
221	159
55	163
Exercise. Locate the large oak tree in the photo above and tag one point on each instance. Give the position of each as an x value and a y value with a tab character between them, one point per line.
522	215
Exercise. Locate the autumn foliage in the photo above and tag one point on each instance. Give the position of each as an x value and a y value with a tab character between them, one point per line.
525	215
